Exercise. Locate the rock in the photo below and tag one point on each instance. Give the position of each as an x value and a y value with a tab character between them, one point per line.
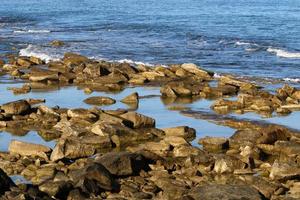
225	192
132	98
94	178
36	60
122	163
296	95
28	149
5	182
81	114
74	59
175	141
23	90
284	171
227	164
192	68
71	148
214	144
16	107
139	120
181	131
98	100
95	70
57	43
58	189
43	75
24	62
167	91
289	148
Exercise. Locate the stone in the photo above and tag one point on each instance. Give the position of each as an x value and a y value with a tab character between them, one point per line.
16	107
57	43
24	62
132	98
181	131
175	141
214	144
23	90
5	182
284	171
296	95
74	59
192	68
94	178
43	75
139	120
225	192
36	60
28	149
98	100
289	148
81	114
227	164
122	163
58	189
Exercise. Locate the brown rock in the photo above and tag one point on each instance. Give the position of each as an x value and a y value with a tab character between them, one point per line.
16	107
132	98
28	149
192	68
214	144
181	131
139	120
98	100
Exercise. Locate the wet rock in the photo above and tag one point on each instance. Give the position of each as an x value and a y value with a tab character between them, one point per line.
74	59
5	182
81	114
132	98
36	60
122	163
24	62
98	100
57	43
16	107
181	131
95	70
28	149
139	120
225	192
192	68
23	90
214	144
43	75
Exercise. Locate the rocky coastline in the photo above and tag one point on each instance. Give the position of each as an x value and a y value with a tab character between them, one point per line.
121	154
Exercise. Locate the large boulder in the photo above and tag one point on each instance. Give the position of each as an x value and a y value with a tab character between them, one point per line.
139	120
194	69
181	131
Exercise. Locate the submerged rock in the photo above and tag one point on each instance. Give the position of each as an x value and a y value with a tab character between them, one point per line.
98	100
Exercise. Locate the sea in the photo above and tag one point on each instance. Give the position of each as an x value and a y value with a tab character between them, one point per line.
259	38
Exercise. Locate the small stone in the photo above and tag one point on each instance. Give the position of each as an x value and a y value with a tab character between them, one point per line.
132	98
98	100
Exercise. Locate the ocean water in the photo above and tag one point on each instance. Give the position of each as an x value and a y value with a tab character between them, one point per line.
253	37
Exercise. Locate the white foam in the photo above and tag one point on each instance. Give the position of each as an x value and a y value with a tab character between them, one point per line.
293	80
216	75
283	53
32	31
35	51
239	43
134	62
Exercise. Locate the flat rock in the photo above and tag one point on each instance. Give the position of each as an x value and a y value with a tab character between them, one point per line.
16	107
181	131
28	149
98	100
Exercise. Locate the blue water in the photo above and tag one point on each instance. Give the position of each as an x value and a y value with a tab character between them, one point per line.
253	37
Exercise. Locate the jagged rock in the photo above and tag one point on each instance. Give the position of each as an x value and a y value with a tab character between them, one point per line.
98	100
227	164
16	107
57	189
181	131
225	192
43	75
24	62
28	149
132	98
74	59
214	144
122	163
139	120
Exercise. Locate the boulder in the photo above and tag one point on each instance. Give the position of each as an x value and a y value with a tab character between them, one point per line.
181	131
43	75
194	69
81	113
24	62
16	107
98	100
57	43
139	120
131	99
225	192
284	171
122	163
74	59
57	189
28	149
214	144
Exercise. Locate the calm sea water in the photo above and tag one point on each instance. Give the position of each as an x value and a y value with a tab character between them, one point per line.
253	37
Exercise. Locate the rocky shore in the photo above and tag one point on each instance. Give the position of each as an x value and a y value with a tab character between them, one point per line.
121	154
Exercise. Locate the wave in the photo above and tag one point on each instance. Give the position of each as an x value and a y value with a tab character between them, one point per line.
293	80
43	54
32	31
133	62
239	43
283	53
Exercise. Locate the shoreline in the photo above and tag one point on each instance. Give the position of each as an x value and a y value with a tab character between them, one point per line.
121	154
